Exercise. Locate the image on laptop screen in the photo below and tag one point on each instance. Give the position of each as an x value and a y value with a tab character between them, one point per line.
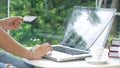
85	25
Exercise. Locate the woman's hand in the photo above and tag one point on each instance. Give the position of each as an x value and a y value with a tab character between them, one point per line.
11	23
40	50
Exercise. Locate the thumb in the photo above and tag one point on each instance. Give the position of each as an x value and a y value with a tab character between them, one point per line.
17	18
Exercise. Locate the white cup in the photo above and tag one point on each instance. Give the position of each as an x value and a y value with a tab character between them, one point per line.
119	51
97	52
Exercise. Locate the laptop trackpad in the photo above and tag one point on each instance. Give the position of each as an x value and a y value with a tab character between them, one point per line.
58	54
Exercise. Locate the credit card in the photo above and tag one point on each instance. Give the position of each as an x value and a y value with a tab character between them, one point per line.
29	18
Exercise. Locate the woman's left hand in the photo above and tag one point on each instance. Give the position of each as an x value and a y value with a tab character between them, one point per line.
40	50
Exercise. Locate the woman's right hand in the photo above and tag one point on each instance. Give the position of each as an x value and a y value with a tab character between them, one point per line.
11	23
40	50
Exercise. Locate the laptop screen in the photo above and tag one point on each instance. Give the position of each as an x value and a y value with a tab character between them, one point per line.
85	25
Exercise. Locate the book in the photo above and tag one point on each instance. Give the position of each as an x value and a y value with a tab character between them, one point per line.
115	42
113	48
113	54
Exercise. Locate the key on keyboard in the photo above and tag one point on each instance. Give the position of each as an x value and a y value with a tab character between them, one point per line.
68	51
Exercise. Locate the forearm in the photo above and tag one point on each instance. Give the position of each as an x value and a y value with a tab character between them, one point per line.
10	45
1	21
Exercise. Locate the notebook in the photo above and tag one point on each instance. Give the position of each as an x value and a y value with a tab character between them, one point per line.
86	27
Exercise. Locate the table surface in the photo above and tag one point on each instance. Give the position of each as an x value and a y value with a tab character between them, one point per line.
46	63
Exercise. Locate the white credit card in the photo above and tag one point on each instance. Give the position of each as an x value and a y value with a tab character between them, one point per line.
29	18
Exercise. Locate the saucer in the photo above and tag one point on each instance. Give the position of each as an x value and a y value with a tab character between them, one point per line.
90	60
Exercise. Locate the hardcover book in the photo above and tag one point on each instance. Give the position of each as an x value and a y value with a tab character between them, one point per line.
113	54
113	48
115	42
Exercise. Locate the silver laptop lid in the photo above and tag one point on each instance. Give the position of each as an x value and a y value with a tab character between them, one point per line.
86	25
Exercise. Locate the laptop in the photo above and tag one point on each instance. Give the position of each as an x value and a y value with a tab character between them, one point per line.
86	27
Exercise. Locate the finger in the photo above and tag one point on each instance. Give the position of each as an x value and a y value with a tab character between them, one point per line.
19	21
47	50
12	27
48	47
46	44
16	24
17	18
44	47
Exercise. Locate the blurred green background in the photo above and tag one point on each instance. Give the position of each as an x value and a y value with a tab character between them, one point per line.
51	19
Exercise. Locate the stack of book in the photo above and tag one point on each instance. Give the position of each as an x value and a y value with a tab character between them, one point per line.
113	49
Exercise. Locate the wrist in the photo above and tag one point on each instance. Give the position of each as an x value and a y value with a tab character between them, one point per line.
32	54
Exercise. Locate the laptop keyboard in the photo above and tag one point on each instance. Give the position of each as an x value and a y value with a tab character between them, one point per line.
68	51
